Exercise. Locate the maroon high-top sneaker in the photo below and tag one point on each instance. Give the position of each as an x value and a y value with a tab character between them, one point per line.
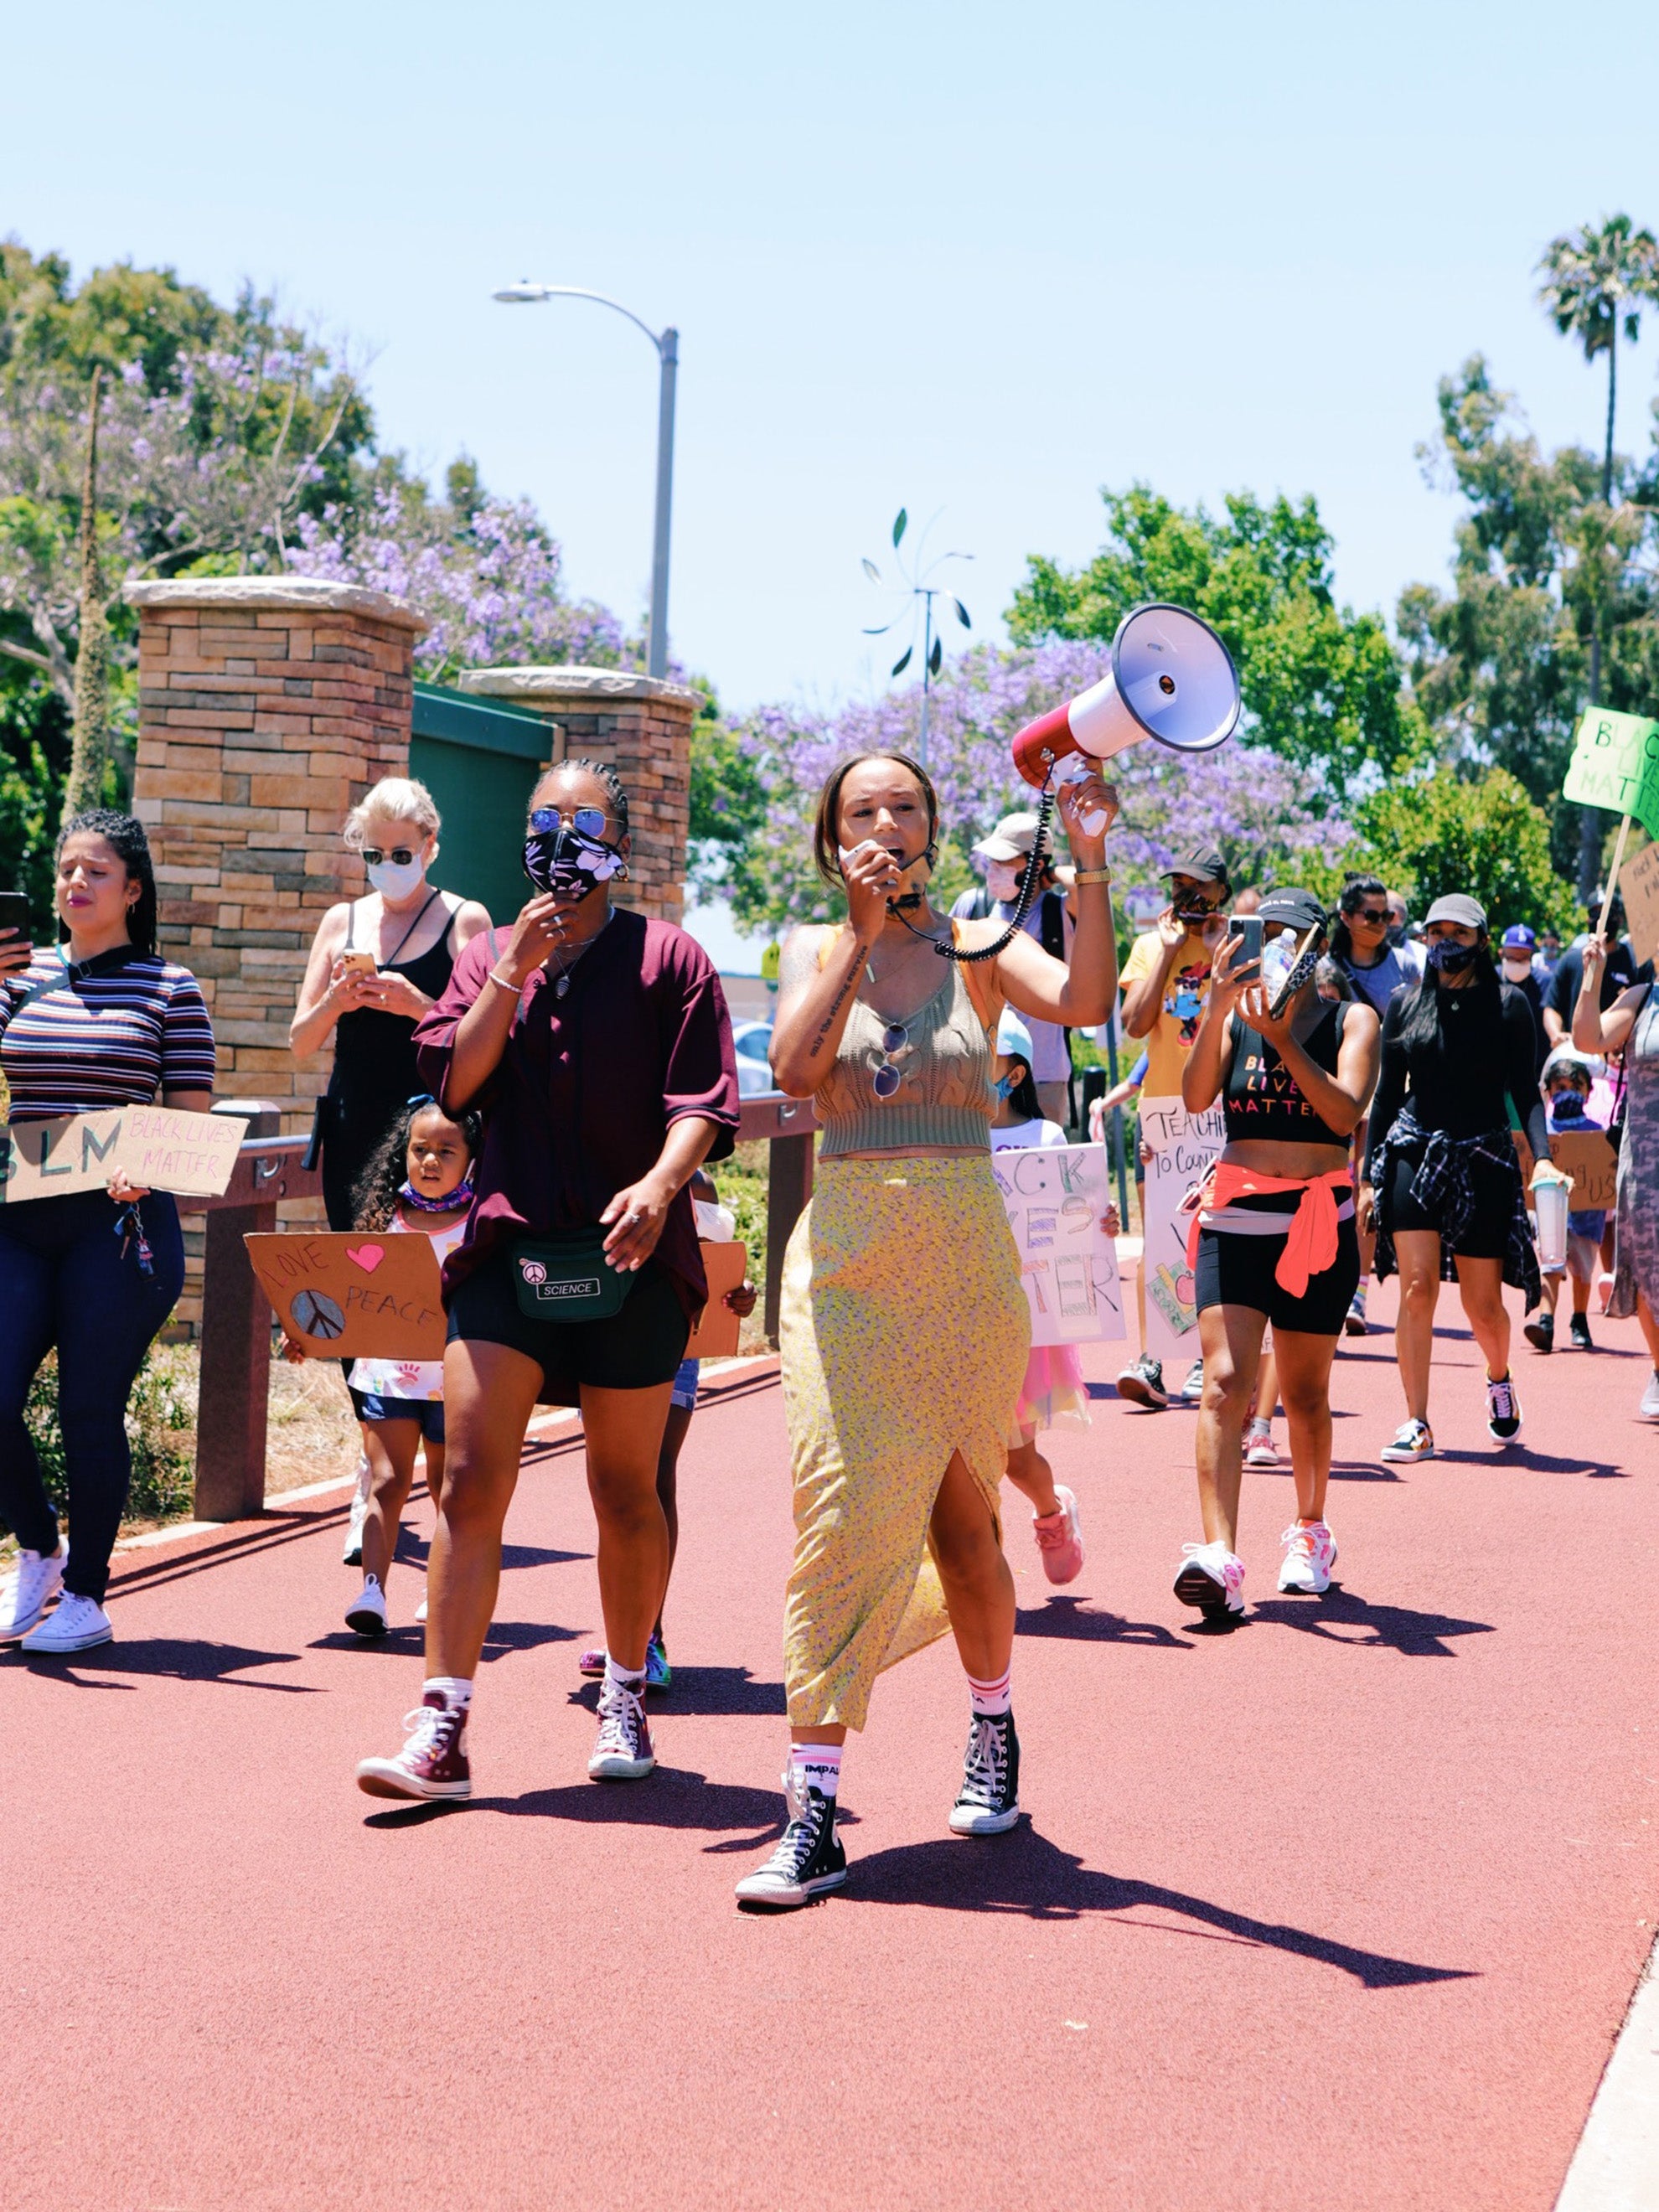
432	1764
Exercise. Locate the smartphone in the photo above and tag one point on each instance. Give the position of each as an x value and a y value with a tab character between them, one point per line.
1248	926
359	964
15	913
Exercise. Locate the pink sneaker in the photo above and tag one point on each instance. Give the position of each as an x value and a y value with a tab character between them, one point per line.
1309	1555
1060	1538
1212	1579
591	1663
433	1761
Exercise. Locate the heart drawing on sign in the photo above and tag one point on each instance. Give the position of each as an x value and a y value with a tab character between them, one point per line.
366	1256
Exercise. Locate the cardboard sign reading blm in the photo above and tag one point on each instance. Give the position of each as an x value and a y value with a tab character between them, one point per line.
1054	1199
715	1336
351	1295
1184	1147
1638	882
191	1154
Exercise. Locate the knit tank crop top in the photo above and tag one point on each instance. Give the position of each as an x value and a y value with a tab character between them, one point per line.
945	1095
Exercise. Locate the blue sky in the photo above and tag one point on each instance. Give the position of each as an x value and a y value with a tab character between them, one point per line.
969	258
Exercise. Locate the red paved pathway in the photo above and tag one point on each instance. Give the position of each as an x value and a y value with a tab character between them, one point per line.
1343	1908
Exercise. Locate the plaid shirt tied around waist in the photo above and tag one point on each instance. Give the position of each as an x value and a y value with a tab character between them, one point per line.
1445	1185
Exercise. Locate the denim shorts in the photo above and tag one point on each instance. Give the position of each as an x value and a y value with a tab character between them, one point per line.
684	1392
428	1411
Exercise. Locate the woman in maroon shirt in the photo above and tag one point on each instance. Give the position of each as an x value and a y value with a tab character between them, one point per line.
599	1044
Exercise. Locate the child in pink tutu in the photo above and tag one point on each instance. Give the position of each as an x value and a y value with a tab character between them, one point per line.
1054	1389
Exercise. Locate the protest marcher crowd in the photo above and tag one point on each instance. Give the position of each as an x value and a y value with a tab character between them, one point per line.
543	1101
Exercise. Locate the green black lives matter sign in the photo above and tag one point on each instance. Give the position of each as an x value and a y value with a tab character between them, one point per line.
1615	765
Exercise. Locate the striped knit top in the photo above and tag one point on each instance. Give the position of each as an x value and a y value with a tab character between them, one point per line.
117	1030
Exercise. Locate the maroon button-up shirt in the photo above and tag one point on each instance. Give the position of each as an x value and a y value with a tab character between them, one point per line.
580	1103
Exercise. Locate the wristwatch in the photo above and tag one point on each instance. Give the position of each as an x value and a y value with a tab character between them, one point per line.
1092	876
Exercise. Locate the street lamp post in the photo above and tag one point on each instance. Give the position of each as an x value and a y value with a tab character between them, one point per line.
667	343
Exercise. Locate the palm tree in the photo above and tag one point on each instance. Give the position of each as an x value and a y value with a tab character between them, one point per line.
1595	283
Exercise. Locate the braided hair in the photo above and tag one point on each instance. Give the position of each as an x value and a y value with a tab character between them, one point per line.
125	835
605	773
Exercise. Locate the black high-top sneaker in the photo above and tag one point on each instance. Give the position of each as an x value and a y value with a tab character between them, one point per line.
988	1801
808	1862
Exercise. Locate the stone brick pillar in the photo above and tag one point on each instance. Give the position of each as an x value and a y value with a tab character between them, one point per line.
267	706
641	726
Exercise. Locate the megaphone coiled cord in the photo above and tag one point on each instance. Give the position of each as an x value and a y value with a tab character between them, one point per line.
1022	905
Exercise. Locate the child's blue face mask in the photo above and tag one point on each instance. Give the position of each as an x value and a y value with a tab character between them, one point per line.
1006	1085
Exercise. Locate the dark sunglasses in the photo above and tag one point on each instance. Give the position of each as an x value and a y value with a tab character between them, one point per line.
400	856
1378	914
586	822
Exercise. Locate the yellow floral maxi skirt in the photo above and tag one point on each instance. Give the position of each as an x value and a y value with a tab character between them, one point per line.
903	1332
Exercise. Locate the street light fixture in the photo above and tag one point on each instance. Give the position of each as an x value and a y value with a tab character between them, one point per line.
667	343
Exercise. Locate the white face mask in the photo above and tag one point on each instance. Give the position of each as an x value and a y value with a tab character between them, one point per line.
1516	966
397	883
716	1225
1002	880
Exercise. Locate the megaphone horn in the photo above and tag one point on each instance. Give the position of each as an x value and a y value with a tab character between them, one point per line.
1171	678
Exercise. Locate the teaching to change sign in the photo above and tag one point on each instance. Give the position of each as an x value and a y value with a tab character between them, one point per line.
1615	765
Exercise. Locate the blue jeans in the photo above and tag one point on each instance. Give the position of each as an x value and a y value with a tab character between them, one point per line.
67	1278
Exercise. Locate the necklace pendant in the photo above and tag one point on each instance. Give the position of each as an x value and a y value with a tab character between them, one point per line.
562	987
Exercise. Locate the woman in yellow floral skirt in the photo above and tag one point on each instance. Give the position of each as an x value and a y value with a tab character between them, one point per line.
904	1329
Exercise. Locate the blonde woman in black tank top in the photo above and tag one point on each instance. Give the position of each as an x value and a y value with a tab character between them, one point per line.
1276	1238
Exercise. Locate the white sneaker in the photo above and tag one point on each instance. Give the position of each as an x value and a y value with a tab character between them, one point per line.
367	1613
1411	1440
1193	1389
420	1612
1212	1579
1309	1555
75	1624
353	1554
1261	1450
1648	1408
25	1595
623	1752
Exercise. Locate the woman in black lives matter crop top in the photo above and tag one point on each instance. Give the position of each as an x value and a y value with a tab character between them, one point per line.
1273	1238
1442	1183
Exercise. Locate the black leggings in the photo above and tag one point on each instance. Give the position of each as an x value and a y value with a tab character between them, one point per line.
66	1279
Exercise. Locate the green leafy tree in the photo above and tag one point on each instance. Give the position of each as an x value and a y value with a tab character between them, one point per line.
1498	665
1594	283
1321	686
1446	832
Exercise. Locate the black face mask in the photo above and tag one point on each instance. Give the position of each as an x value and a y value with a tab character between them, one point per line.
1395	935
569	864
1450	958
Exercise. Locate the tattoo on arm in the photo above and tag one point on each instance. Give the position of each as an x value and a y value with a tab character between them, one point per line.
846	982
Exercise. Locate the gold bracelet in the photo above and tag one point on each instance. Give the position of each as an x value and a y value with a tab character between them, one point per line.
1092	876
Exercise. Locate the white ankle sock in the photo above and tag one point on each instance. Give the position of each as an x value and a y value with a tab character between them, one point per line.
622	1678
817	1764
457	1694
991	1700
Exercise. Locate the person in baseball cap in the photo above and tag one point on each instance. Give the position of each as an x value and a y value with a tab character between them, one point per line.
1003	853
1514	960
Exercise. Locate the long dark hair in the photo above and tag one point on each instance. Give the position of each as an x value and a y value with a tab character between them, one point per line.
1423	1015
1024	1097
374	1196
125	835
826	845
1355	891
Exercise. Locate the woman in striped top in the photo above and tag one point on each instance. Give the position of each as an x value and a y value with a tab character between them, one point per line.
101	1021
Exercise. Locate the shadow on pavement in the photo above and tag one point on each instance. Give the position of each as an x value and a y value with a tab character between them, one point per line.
673	1798
179	1658
1385	1627
415	1551
1517	1456
1025	1873
1070	1617
408	1640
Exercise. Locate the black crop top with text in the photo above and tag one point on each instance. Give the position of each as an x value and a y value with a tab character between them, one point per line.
1261	1098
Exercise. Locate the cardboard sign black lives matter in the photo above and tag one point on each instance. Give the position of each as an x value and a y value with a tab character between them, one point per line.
160	1149
351	1295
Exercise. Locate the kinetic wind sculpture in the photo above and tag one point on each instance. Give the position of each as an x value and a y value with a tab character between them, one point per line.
916	607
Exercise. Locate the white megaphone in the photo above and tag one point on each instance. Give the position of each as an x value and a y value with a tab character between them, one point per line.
1171	678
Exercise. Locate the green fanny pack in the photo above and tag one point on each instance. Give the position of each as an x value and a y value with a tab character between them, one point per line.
567	1277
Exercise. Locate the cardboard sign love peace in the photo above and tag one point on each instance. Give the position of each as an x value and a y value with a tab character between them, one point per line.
715	1336
344	1294
192	1154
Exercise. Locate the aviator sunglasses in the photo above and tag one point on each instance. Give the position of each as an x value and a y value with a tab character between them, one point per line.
400	856
586	822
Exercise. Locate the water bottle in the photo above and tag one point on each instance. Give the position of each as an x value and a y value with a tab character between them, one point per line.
1550	1202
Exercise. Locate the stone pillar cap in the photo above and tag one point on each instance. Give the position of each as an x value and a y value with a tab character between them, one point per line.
595	686
276	594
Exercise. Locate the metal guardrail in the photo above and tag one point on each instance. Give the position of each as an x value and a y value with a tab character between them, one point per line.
236	1320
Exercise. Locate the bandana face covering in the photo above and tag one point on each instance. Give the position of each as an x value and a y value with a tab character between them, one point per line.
569	859
451	1202
1449	958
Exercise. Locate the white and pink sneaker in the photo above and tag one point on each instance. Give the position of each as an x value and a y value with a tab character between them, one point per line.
1309	1555
1060	1538
1212	1579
